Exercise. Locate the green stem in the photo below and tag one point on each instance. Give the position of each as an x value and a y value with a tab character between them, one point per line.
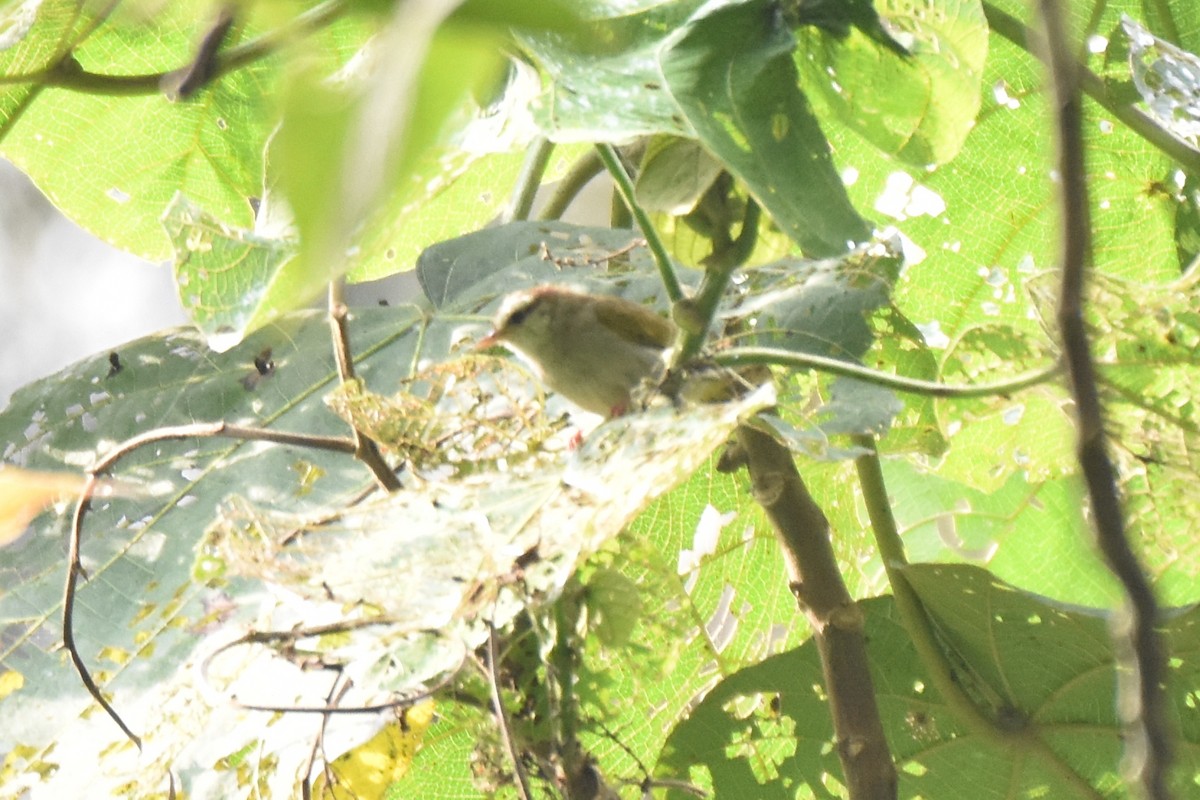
716	278
578	176
742	356
612	162
532	170
922	632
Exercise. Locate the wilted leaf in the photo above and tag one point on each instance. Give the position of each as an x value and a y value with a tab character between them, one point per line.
479	547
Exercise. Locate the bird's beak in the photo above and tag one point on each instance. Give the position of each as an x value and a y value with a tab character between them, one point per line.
489	341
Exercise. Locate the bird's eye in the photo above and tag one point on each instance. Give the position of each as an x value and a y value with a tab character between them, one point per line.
520	314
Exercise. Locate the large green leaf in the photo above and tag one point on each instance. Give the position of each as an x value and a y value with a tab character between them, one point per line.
1033	535
109	148
471	270
141	615
730	70
765	731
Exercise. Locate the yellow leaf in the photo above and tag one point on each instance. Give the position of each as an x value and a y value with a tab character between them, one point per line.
367	771
10	681
24	494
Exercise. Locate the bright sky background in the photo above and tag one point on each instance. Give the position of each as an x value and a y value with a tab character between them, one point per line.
64	294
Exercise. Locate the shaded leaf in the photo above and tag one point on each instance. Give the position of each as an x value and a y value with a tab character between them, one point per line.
730	71
478	267
675	174
607	86
141	619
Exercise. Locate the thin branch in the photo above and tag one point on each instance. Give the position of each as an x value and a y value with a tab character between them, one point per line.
837	621
365	448
1148	753
718	270
493	673
68	73
214	430
190	79
288	639
75	564
745	356
74	570
562	662
624	186
337	691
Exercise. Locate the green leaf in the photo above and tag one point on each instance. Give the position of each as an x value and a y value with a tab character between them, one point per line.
606	86
765	731
144	620
731	73
116	175
820	307
918	103
712	579
675	174
141	618
473	269
1032	534
1150	339
341	149
225	276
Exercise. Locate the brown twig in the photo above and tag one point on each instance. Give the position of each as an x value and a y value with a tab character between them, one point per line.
188	80
74	563
337	691
837	622
1148	752
291	636
365	448
67	73
506	737
74	570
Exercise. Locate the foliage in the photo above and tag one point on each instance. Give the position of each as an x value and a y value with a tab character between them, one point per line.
867	184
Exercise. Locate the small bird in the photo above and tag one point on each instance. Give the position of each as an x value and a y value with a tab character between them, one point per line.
594	350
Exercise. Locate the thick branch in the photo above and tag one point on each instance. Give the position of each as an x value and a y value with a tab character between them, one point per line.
803	532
